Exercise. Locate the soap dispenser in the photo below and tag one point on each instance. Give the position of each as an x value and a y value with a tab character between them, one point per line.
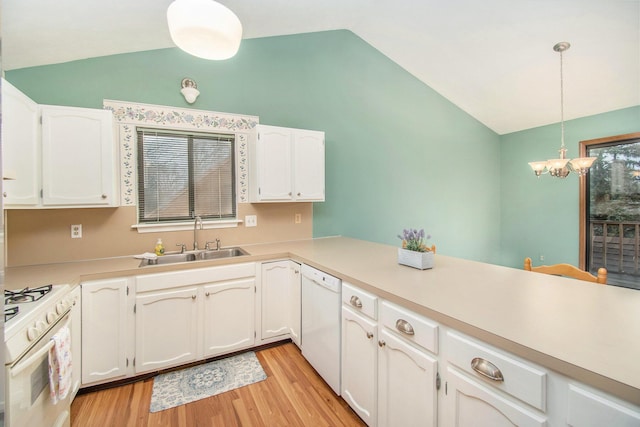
159	248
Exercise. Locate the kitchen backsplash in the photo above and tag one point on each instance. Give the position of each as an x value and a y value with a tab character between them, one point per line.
43	236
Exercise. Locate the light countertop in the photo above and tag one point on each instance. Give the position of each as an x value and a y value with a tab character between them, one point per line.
583	330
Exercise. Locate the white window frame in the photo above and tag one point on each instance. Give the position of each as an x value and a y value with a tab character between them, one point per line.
128	116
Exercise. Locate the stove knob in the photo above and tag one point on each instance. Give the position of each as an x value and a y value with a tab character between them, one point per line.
61	307
40	326
51	317
32	333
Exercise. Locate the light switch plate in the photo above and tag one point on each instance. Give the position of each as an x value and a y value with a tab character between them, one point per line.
250	221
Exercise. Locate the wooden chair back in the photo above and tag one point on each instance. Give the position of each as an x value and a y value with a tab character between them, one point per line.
568	270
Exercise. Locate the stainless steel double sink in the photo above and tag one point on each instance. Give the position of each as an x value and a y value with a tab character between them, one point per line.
190	256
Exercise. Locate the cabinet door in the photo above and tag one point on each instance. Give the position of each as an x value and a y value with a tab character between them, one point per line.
77	157
20	148
295	302
166	328
406	384
359	364
104	330
76	340
276	299
229	316
469	403
273	158
308	165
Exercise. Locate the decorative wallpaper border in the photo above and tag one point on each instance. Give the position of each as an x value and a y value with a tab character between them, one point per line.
128	115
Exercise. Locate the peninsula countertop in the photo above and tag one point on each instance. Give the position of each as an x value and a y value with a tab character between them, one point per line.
583	330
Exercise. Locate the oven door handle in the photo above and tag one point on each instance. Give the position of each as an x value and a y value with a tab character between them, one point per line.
38	354
26	363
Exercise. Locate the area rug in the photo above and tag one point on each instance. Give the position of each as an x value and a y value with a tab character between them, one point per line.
190	384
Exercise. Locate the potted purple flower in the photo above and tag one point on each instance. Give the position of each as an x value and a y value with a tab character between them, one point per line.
414	251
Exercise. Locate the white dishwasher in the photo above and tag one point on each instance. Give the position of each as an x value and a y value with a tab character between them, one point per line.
320	334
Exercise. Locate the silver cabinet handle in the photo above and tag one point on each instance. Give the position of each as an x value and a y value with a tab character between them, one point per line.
369	335
486	369
207	294
193	297
104	196
404	327
381	344
355	301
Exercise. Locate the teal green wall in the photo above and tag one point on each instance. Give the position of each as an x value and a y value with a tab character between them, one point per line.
398	155
540	216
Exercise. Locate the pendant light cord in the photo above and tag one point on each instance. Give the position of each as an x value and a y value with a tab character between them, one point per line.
561	103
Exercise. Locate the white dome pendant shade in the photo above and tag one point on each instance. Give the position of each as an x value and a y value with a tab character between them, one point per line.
204	28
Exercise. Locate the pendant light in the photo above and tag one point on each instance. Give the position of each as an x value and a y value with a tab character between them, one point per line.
561	167
204	28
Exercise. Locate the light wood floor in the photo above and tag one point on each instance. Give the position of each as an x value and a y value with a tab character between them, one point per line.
292	395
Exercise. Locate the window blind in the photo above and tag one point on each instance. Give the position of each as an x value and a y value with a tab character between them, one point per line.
182	175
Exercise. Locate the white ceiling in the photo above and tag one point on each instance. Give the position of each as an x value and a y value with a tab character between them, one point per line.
492	58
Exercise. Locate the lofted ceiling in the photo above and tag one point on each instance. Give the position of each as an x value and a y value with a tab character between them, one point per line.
492	58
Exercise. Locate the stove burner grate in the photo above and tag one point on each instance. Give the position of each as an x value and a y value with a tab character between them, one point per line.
10	313
26	294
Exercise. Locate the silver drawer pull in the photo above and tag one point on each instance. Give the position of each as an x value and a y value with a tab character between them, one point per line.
369	335
486	369
404	327
381	344
355	301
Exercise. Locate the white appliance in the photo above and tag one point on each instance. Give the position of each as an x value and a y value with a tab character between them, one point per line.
32	318
320	332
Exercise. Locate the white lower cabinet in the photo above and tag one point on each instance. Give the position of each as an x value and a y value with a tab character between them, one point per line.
407	379
76	340
166	328
280	301
360	364
591	408
470	403
229	314
189	315
387	379
107	330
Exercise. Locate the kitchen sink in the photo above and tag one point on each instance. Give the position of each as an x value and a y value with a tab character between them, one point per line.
222	253
173	258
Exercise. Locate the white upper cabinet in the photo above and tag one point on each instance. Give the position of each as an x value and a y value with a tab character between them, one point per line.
56	156
20	147
77	157
308	165
287	165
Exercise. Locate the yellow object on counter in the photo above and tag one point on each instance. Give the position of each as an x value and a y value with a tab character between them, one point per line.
159	248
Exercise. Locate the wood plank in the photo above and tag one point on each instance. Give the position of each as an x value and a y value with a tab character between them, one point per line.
292	395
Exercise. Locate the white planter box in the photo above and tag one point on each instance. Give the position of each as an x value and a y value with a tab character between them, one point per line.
420	260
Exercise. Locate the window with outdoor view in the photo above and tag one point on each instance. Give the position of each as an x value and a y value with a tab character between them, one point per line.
610	207
182	175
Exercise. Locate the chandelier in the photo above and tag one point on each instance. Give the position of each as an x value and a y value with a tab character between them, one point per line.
561	167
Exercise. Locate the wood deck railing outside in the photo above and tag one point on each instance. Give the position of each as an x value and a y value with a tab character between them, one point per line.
616	246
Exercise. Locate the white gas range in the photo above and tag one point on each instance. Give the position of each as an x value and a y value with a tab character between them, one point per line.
32	317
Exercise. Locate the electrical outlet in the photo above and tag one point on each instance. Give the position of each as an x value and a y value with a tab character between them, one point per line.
76	231
297	218
541	257
250	221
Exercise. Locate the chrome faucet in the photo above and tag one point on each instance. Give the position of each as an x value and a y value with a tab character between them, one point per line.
195	232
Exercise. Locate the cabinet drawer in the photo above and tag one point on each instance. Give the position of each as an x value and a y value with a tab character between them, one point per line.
360	300
587	409
410	326
520	380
